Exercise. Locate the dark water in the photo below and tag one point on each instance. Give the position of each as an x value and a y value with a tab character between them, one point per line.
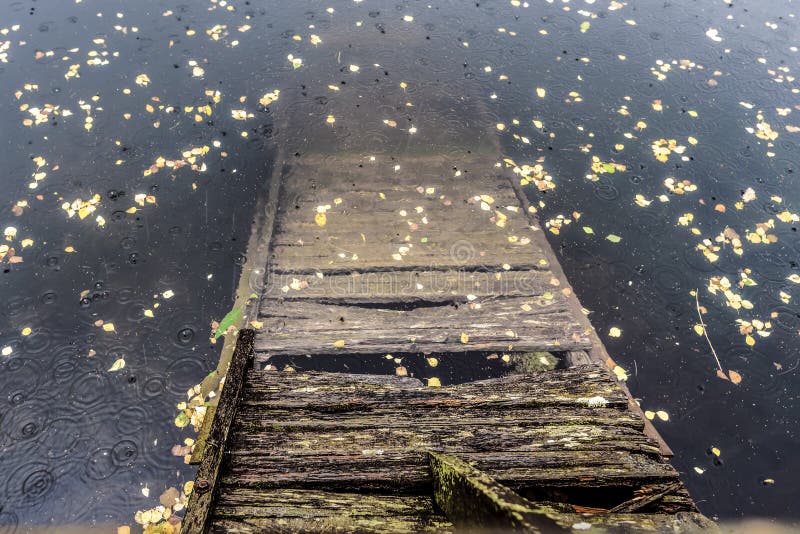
79	442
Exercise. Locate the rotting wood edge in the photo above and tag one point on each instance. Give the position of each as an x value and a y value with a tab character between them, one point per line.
201	501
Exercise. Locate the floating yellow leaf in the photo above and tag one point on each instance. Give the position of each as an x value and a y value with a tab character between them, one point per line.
108	327
339	343
620	373
296	61
541	92
321	218
614	238
434	382
585	26
464	337
614	332
749	340
117	365
699	330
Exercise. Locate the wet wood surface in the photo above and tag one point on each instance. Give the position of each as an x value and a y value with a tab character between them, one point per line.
426	258
339	452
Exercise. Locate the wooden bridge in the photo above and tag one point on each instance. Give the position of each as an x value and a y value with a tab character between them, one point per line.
432	257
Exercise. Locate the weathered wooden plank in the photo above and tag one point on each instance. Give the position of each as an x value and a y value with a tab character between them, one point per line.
541	338
201	502
504	324
407	287
472	499
310	510
342	315
326	525
264	439
454	252
406	471
578	388
328	419
293	510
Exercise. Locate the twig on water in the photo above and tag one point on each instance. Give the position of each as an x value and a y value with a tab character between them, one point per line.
705	332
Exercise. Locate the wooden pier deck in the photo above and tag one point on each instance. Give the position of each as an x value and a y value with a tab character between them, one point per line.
436	257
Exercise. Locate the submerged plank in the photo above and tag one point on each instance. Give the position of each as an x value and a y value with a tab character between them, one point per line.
407	287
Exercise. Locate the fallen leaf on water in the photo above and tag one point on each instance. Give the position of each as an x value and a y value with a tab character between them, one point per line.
434	382
614	332
736	378
464	338
620	373
117	365
614	238
339	343
321	218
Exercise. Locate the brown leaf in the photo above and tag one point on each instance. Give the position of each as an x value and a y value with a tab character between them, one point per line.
721	374
736	378
169	497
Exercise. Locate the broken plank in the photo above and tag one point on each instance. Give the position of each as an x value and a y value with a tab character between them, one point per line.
471	498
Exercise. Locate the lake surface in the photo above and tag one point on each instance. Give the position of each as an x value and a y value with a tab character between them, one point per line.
137	140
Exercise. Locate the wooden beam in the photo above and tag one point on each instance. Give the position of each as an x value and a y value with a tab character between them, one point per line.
199	510
472	499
